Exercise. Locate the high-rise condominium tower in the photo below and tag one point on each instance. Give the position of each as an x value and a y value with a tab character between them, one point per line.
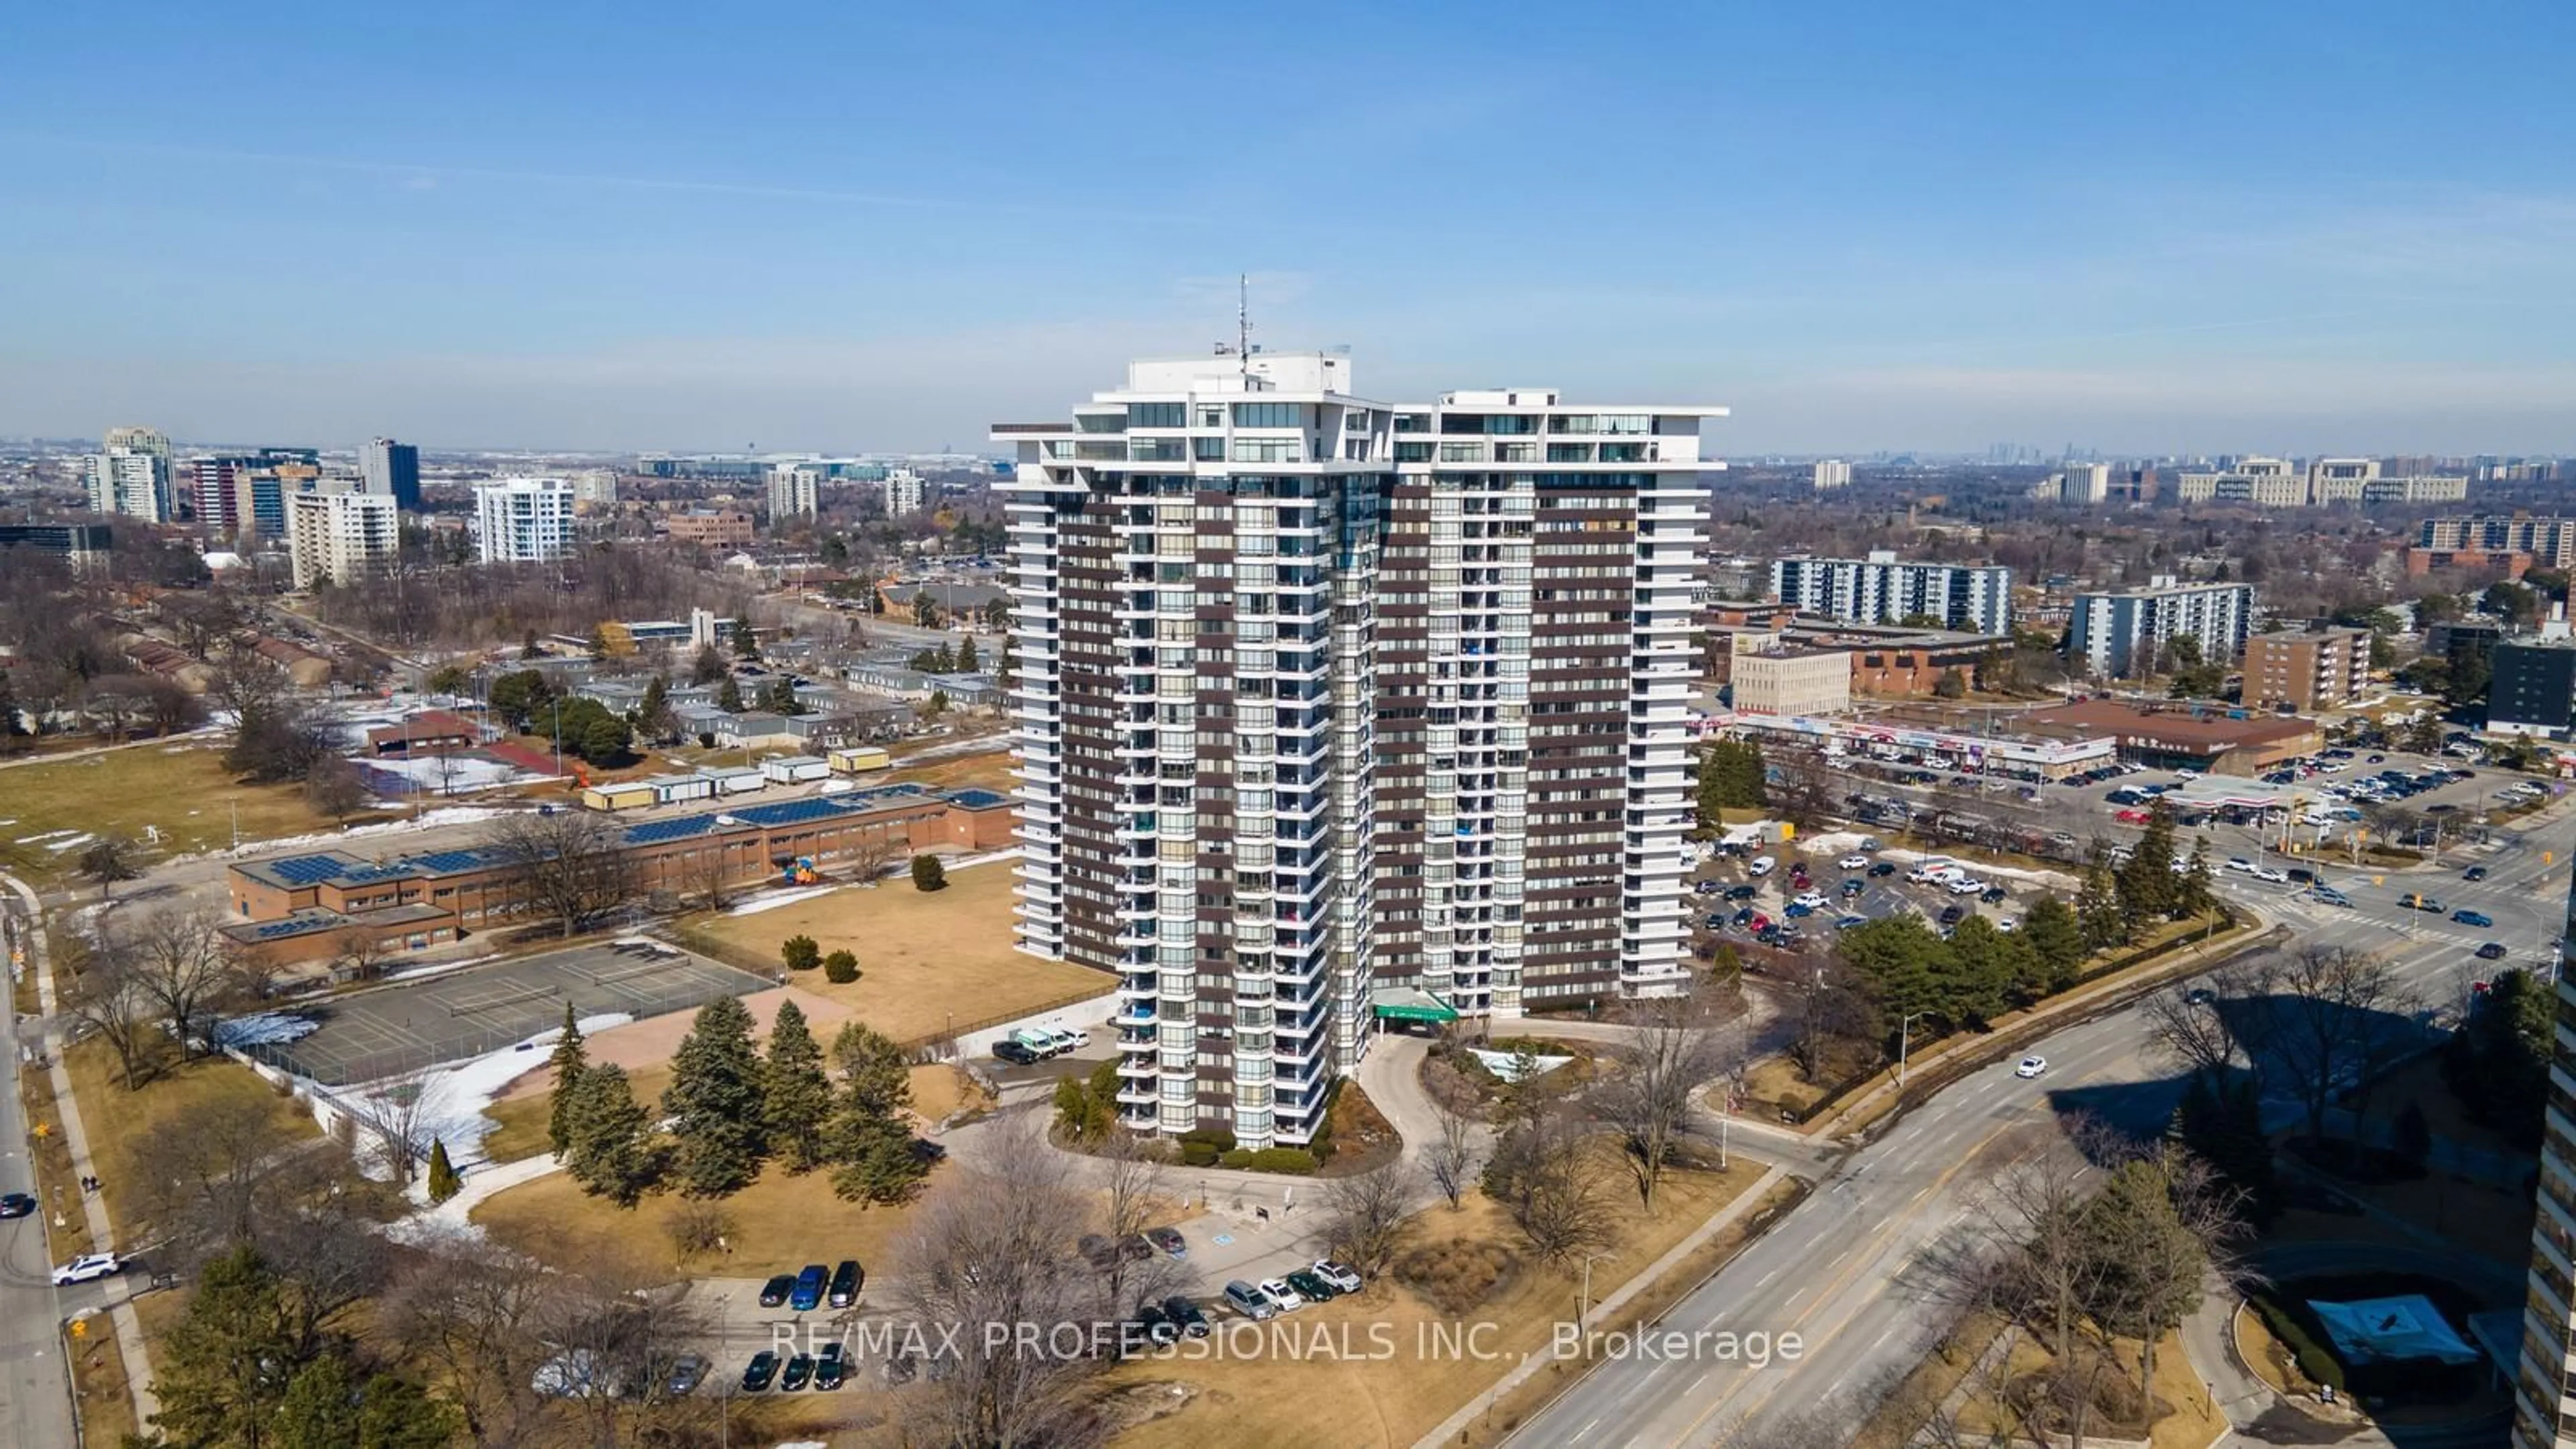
1323	700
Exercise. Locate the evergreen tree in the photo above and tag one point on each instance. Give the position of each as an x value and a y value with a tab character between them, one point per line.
319	1409
222	1372
967	662
653	716
778	697
443	1181
714	1101
1909	970
2097	907
943	660
800	953
2150	1261
868	1140
744	645
928	874
12	726
596	646
708	667
2056	941
608	1130
2148	884
1007	668
2197	893
1990	970
841	967
729	696
569	1060
798	1100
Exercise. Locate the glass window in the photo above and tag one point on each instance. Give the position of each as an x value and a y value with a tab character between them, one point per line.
1270	415
1156	415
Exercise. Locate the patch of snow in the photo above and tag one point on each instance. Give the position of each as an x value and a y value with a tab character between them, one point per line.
781	898
59	846
48	835
1008	852
1506	1065
454	1097
265	1028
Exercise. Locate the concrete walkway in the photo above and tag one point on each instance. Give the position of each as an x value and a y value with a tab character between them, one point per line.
1607	1310
129	1327
2209	1341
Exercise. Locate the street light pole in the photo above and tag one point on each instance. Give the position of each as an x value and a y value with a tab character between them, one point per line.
1904	1031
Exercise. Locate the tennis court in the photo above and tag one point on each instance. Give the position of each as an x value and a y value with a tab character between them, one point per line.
405	1027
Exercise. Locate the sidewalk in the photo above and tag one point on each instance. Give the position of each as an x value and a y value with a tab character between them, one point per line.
1607	1309
129	1327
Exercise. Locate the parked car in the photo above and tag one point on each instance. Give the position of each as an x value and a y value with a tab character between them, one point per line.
687	1372
1845	923
1994	895
1153	1325
1953	915
1341	1276
757	1374
1854	886
16	1205
1883	868
1278	1291
830	1367
1249	1301
1015	1053
1812	901
1742	893
807	1295
1853	862
1311	1287
845	1283
1169	1240
2031	1066
775	1291
1762	865
799	1373
1193	1322
86	1267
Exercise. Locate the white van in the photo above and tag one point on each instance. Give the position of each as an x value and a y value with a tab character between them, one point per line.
1762	865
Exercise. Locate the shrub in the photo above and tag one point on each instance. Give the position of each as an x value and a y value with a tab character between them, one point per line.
1198	1154
1220	1138
2320	1366
800	953
928	874
1296	1161
1456	1275
841	968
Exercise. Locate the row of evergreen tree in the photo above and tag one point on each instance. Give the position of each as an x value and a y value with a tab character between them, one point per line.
730	1110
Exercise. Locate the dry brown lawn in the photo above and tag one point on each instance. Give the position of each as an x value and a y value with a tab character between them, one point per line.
116	1119
182	789
1396	1400
928	961
780	1223
106	1404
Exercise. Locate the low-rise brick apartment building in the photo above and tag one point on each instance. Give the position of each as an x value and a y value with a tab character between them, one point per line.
299	908
2306	669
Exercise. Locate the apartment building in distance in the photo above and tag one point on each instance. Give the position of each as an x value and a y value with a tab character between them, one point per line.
794	489
2121	633
2305	670
523	520
130	483
2326	482
2084	483
392	469
2531	688
2549	541
907	493
1832	473
1331	707
1809	682
1880	589
340	537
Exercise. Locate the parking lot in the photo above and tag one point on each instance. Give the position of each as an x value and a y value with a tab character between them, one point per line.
1847	880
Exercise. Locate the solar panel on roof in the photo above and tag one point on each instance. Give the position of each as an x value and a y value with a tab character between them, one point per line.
977	799
308	869
447	860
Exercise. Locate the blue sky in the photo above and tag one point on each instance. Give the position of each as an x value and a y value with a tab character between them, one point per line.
2147	228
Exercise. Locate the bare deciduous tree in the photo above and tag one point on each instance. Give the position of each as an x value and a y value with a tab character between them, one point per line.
1365	1214
398	1118
570	865
1646	1090
1002	1250
1132	1199
469	1311
2338	1016
1548	1176
1450	1158
105	994
182	964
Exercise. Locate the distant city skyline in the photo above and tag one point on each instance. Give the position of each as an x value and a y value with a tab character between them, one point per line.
1883	228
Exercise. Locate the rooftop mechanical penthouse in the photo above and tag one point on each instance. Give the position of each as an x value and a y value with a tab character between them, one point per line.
1326	704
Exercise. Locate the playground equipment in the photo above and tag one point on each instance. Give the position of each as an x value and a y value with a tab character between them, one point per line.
800	872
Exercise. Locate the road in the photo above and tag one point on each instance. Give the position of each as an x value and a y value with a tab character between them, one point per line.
1832	1272
35	1388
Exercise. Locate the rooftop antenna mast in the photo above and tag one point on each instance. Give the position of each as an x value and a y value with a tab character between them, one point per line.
1243	321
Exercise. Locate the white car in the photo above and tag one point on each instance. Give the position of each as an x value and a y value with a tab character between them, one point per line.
1812	901
1967	886
1280	1293
2267	873
1762	865
1341	1276
1853	862
2238	862
87	1267
2031	1067
2186	774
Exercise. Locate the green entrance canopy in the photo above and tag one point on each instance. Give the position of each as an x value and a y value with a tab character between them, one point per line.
1407	1003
